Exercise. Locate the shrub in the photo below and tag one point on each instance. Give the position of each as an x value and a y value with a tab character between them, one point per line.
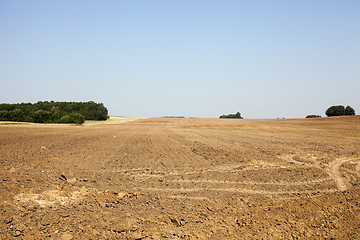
313	116
236	115
76	118
72	118
64	119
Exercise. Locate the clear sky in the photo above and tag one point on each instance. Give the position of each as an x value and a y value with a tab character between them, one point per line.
194	58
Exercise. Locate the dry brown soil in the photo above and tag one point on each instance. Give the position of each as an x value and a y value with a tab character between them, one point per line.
182	178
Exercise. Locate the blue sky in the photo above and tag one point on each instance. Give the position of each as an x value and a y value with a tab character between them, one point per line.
194	58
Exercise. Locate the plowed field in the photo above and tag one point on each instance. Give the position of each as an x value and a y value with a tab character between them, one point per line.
182	178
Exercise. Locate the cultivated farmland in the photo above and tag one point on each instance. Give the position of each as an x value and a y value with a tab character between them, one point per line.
182	178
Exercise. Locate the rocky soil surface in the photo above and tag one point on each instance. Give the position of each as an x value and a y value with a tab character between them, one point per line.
182	179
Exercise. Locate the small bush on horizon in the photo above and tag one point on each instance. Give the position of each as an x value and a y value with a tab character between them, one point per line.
236	115
313	116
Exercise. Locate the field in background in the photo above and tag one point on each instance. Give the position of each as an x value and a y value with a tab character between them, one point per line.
112	120
180	178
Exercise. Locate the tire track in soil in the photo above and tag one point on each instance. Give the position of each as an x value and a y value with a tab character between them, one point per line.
310	182
237	190
221	143
178	183
227	188
163	145
332	169
146	172
160	140
237	147
334	172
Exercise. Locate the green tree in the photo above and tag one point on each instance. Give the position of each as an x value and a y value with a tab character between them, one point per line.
55	112
313	116
16	115
76	118
335	111
72	118
236	115
349	111
41	116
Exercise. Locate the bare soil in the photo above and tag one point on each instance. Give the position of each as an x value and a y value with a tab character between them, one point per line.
182	178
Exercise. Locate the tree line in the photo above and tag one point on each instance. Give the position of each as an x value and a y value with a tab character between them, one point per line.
53	112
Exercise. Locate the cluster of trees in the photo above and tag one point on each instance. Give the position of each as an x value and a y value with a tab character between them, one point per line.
336	111
339	111
313	116
236	115
53	112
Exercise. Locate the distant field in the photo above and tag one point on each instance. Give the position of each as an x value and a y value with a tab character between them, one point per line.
112	120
